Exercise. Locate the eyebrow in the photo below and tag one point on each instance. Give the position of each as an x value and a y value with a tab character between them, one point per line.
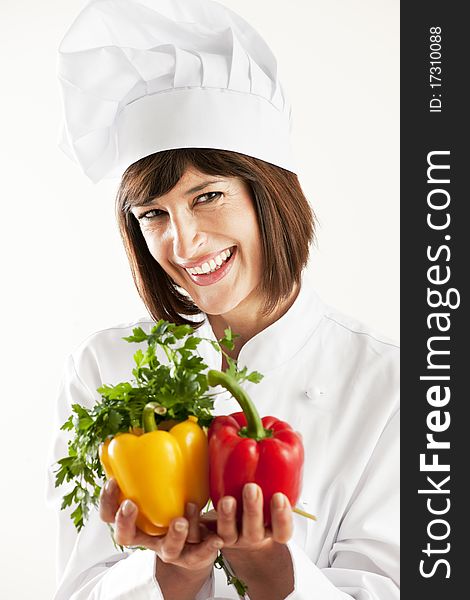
200	187
192	190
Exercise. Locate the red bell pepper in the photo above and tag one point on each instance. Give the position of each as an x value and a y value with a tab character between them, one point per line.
244	448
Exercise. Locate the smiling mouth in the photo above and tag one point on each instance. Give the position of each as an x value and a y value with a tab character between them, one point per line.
212	265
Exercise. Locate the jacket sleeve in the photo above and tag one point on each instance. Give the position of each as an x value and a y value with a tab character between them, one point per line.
364	560
89	566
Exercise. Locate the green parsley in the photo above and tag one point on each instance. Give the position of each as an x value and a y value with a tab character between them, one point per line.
178	386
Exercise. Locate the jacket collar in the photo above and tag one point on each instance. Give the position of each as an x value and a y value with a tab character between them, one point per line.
283	339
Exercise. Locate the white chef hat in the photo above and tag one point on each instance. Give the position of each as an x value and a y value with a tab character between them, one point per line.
141	76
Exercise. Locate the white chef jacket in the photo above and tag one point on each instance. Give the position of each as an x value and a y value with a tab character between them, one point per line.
332	380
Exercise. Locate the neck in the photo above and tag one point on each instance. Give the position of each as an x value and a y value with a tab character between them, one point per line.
246	320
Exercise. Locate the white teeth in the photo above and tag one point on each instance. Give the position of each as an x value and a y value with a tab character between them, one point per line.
212	265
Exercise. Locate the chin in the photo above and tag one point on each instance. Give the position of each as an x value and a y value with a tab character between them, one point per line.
214	307
211	304
219	300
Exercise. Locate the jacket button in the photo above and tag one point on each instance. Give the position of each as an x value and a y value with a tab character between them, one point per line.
313	394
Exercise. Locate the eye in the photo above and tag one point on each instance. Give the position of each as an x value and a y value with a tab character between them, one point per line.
208	197
156	213
151	214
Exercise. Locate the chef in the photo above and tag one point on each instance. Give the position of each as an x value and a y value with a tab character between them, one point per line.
182	101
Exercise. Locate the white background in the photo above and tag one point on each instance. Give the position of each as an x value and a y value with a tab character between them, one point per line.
63	269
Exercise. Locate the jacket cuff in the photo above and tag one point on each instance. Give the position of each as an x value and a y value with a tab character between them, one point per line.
132	577
309	581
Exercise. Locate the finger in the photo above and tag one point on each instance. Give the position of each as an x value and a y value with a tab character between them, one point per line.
212	544
192	514
207	550
173	543
252	519
227	520
208	520
125	528
207	523
109	501
281	518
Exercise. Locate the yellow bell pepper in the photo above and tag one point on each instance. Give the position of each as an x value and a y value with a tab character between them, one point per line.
160	471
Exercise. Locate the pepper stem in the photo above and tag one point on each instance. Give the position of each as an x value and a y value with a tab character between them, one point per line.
302	513
255	427
148	416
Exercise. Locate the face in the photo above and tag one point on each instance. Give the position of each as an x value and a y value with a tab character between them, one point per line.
204	234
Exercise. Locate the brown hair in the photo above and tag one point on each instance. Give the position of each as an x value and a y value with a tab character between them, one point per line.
285	219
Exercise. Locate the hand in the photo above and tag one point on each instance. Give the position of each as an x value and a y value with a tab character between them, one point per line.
252	535
258	555
186	544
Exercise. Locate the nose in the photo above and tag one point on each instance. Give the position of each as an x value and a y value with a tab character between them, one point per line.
187	236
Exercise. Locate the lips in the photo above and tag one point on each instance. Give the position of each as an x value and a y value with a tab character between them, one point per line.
213	276
211	264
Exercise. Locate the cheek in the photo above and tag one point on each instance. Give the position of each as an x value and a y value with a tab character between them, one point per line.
252	236
154	247
155	243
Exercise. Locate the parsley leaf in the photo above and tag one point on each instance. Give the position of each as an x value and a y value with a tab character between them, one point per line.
178	385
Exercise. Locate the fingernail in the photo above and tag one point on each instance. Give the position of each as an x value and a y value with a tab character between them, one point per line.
279	500
128	507
217	544
109	486
251	491
227	505
181	526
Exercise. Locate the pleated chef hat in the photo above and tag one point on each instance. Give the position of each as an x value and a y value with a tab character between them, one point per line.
141	76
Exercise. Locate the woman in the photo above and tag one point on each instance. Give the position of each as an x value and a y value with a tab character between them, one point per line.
217	232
